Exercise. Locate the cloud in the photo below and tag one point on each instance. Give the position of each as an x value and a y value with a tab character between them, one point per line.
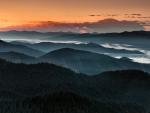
145	23
134	14
103	15
112	15
92	15
95	15
102	26
144	17
137	16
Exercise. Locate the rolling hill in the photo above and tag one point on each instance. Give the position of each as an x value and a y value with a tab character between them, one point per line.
91	47
77	60
17	57
88	62
7	47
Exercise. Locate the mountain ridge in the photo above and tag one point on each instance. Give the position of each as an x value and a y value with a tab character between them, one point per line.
128	86
88	62
7	47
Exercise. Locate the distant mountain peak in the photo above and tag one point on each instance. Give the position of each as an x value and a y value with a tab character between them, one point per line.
109	20
102	26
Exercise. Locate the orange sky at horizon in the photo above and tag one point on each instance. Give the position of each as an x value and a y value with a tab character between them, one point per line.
18	12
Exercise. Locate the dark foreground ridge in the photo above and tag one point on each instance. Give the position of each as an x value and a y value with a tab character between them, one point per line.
46	88
65	103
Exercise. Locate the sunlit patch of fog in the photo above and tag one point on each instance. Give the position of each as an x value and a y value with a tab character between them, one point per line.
140	59
125	47
38	41
22	40
120	46
67	42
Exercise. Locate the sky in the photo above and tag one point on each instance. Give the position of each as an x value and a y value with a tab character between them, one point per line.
30	12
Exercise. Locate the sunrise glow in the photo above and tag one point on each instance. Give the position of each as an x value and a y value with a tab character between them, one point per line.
21	12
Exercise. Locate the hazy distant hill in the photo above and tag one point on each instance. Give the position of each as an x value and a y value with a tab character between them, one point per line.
141	37
20	34
46	35
7	47
78	59
92	47
88	62
133	34
17	57
13	34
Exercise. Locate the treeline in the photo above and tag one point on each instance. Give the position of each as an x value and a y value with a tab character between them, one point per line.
46	88
65	103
